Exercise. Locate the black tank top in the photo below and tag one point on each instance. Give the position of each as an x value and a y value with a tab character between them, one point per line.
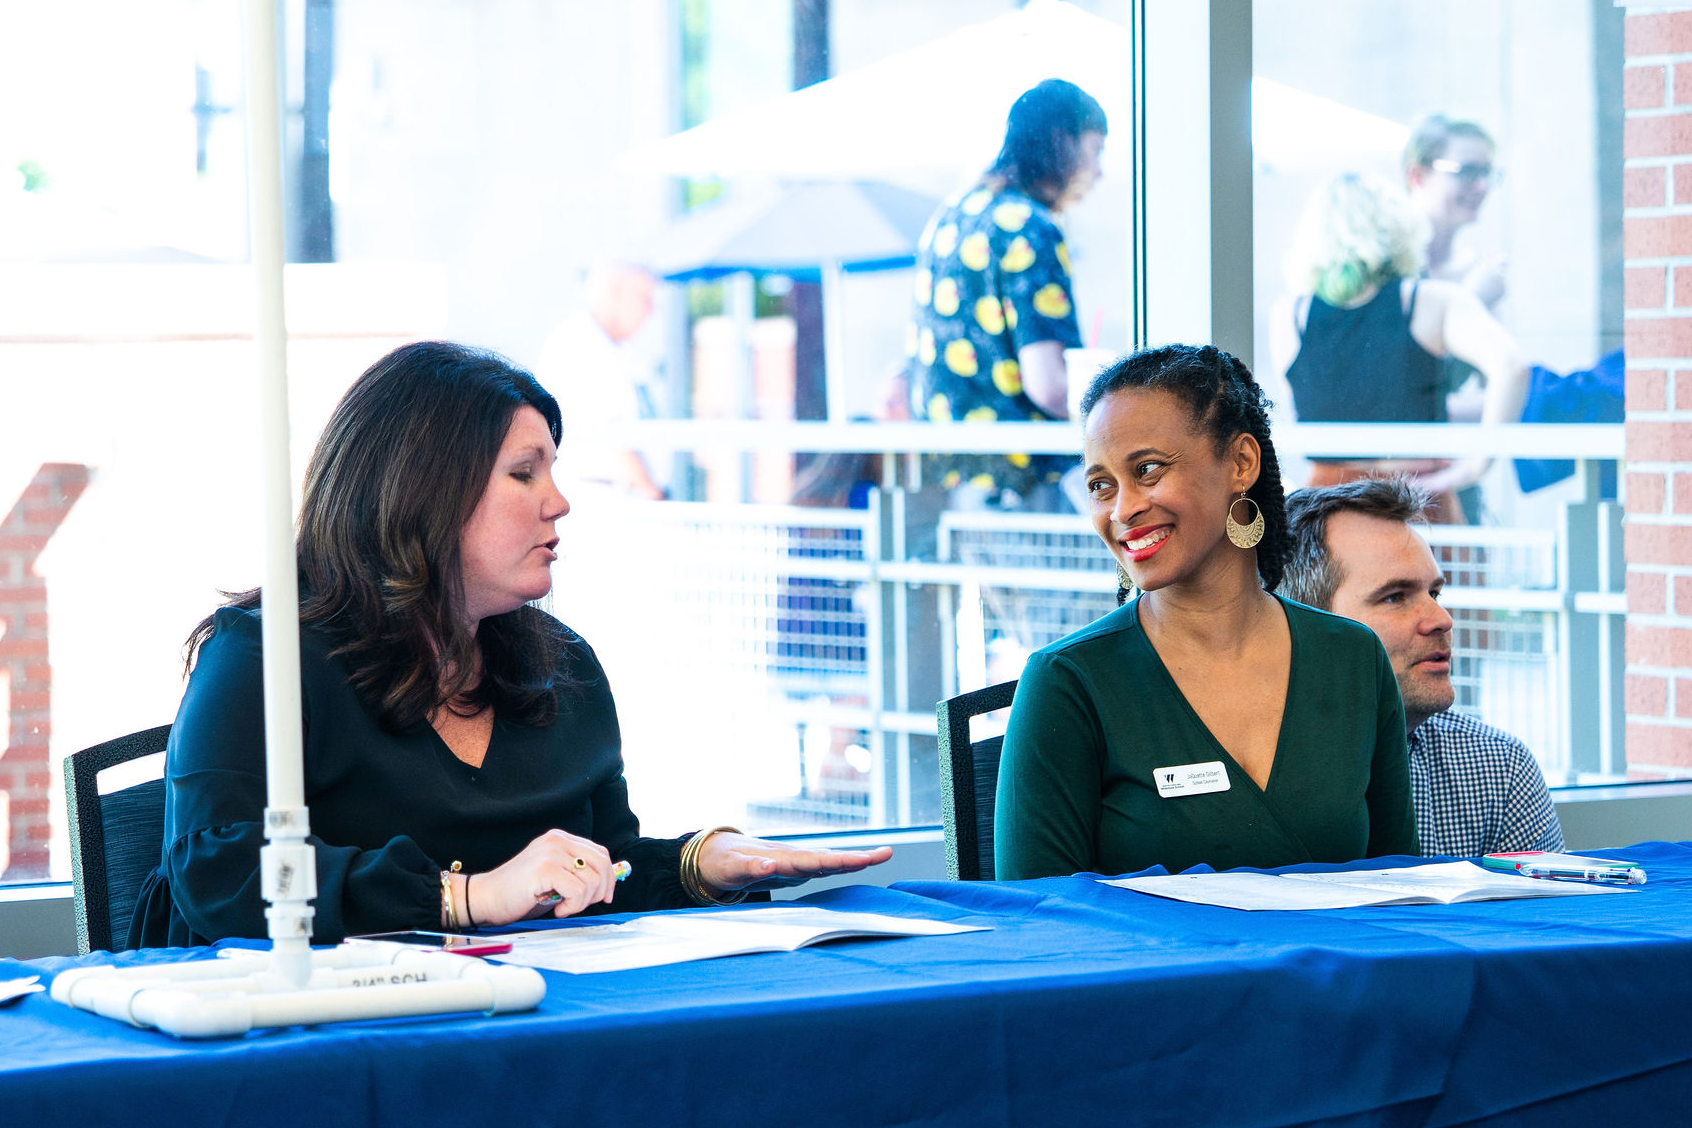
1363	366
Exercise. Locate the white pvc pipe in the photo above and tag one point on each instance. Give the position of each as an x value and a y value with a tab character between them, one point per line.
289	865
281	589
292	985
188	1015
222	998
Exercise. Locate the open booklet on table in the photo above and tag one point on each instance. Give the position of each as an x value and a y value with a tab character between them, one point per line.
1438	883
664	938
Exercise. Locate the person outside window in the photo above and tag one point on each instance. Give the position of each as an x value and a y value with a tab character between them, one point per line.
1363	336
1449	169
994	308
587	365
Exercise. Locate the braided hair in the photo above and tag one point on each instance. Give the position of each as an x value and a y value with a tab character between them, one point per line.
1226	402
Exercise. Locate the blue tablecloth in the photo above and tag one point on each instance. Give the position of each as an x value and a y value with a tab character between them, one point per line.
1084	1004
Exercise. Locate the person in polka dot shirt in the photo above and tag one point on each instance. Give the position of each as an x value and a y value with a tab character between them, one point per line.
993	308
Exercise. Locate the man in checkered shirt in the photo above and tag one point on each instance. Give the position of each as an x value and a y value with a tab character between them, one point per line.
1477	790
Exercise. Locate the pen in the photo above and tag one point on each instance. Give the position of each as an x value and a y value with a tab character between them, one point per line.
619	871
1629	875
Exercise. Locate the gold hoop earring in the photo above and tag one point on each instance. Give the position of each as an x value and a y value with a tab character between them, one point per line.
1245	536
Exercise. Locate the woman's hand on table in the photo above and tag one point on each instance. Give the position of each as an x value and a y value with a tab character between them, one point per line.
731	862
576	869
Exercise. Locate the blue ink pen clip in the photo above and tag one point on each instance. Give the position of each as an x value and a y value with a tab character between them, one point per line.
1601	875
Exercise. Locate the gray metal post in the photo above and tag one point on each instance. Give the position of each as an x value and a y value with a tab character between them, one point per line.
1591	659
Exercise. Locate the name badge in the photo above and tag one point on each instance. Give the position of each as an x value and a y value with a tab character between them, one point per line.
1191	779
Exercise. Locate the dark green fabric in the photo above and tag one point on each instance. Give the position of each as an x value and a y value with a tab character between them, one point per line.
1096	712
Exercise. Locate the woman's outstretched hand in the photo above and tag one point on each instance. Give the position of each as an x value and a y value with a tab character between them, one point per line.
730	862
577	870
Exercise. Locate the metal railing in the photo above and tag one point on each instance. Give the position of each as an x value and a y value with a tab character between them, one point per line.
838	629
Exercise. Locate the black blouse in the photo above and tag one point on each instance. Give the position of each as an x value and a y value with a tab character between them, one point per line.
1362	364
389	810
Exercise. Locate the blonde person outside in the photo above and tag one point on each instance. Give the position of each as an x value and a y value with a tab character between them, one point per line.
1363	337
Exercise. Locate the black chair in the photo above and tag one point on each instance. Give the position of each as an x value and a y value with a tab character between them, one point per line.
115	839
969	779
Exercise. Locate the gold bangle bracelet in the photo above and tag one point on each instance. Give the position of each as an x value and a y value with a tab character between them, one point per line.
447	915
450	908
693	881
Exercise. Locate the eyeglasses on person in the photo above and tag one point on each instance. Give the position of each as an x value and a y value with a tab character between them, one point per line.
1468	173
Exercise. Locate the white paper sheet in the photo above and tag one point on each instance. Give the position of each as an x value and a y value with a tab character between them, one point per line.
1435	883
665	938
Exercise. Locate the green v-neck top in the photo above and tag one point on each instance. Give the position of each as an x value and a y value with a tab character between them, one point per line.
1097	715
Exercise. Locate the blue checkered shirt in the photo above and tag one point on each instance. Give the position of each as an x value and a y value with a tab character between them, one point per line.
1477	790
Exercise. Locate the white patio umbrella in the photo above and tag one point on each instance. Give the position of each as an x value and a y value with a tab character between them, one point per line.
1292	128
794	228
939	105
942	106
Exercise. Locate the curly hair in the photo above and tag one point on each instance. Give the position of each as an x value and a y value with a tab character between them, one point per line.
395	475
1357	232
1225	401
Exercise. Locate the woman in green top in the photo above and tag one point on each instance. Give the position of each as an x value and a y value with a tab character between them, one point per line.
1207	721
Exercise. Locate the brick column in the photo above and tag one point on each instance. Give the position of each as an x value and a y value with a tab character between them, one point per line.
1657	239
26	774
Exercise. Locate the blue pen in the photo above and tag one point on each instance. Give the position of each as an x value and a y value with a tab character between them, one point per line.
1602	875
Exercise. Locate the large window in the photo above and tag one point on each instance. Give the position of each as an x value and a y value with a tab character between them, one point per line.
1461	150
778	627
473	170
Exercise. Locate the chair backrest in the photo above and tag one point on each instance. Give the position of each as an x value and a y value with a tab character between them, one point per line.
969	779
116	840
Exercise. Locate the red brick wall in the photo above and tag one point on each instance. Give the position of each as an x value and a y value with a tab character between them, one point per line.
1657	240
26	775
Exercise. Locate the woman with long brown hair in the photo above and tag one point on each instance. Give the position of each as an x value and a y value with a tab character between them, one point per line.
462	759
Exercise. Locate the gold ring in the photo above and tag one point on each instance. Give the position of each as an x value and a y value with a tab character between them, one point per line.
581	863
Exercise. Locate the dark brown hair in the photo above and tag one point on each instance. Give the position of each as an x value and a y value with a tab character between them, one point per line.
1043	138
394	477
1312	577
